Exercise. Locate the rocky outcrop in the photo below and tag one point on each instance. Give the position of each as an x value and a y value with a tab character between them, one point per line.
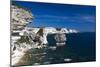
43	32
20	17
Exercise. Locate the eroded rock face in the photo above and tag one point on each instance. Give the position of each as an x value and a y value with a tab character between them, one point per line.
20	17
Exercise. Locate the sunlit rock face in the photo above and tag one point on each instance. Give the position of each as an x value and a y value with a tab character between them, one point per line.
20	17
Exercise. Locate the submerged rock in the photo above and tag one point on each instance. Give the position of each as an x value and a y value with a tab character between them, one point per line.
52	47
67	59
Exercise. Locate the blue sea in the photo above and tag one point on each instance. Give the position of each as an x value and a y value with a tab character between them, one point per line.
79	47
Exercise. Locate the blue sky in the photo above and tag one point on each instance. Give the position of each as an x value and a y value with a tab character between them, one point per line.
79	17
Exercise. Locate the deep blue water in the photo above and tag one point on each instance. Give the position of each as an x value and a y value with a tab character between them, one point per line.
80	47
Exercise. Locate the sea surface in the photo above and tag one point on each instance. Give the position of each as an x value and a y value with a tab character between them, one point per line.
79	47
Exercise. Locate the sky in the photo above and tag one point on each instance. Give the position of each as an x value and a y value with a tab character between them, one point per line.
79	17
